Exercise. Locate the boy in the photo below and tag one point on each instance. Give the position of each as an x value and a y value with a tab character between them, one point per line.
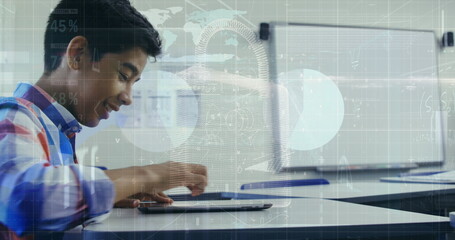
90	69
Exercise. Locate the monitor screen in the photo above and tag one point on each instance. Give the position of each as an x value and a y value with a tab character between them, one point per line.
356	96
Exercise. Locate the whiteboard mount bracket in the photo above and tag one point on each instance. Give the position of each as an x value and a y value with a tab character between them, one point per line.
264	31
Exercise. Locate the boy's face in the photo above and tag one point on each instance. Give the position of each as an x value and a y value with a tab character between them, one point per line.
104	86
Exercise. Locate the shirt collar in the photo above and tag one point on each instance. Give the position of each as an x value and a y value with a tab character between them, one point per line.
58	114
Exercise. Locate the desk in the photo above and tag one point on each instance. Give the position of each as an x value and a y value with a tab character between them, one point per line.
302	218
360	192
424	198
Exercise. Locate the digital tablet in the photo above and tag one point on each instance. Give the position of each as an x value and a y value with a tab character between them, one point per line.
203	206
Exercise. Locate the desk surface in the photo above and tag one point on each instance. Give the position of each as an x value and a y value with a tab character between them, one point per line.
314	218
360	192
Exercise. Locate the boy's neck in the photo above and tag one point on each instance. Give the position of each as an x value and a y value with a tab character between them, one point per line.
56	85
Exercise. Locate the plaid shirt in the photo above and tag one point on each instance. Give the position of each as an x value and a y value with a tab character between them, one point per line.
41	186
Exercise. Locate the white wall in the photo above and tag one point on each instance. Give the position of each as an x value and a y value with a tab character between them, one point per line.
23	23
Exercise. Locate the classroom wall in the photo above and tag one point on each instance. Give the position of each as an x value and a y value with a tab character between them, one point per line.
180	23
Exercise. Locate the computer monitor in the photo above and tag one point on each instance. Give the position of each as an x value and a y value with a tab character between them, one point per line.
356	97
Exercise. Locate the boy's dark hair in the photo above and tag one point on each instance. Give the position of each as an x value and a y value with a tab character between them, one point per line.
110	26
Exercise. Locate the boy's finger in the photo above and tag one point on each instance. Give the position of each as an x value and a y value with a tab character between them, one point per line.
127	203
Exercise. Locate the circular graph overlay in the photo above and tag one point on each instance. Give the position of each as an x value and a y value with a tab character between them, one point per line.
234	26
163	115
316	108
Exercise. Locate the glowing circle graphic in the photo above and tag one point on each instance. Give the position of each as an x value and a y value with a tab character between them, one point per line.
163	115
316	108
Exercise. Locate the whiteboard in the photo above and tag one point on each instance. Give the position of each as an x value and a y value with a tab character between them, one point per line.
356	96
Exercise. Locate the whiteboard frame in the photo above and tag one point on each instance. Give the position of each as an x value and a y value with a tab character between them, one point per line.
283	158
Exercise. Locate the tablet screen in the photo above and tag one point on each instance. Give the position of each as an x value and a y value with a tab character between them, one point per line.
202	206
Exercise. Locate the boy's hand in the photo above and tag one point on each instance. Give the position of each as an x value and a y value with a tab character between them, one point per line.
156	178
134	200
177	174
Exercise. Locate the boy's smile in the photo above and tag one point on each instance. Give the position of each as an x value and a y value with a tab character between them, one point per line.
106	85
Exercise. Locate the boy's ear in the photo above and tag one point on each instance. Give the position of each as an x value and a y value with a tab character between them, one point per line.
76	52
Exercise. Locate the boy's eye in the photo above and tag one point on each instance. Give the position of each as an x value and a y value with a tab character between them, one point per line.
123	76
